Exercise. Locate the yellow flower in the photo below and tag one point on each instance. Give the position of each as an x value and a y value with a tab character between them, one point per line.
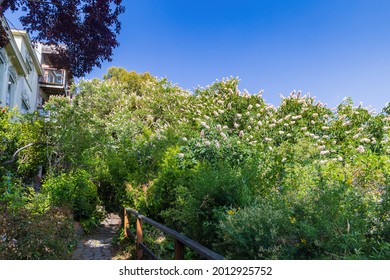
292	220
303	241
230	212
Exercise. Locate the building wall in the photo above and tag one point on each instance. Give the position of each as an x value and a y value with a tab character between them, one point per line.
19	73
10	87
27	100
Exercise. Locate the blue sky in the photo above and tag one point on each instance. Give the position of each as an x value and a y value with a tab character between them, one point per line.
330	48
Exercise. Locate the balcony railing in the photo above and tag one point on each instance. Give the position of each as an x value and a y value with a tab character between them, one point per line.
54	76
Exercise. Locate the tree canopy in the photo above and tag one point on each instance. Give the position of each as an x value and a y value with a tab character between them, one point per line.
87	28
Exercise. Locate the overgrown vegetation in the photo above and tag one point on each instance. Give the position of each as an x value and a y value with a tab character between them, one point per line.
245	178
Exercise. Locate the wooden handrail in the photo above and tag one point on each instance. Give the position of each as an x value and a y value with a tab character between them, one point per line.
180	239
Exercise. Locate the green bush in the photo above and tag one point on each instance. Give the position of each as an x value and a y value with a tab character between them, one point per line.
74	190
260	231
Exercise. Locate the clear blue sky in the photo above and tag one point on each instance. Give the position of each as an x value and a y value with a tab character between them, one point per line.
330	48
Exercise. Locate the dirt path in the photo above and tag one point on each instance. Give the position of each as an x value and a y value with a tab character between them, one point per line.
97	245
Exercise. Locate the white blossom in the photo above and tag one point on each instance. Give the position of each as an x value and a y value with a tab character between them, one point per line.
324	152
296	117
272	125
236	125
360	149
365	140
207	143
325	128
315	115
356	136
181	155
223	135
238	116
346	123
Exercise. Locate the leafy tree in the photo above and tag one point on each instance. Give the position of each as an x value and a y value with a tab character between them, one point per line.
87	28
132	81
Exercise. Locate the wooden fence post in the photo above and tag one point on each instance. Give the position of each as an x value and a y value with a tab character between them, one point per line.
139	238
179	250
125	223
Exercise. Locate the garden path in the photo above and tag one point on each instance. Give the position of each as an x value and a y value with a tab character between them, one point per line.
97	245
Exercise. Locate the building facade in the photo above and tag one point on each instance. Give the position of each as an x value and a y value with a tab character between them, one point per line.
27	75
20	70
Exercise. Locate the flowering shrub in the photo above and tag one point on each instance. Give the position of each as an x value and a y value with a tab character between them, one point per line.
250	180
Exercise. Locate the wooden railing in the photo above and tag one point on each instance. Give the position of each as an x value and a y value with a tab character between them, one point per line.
180	240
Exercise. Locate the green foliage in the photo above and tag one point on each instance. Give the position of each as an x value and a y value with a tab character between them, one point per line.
131	81
259	231
16	132
74	190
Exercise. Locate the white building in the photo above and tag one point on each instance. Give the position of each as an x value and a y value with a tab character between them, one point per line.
20	71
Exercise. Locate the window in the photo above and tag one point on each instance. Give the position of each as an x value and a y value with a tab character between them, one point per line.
10	91
24	108
2	72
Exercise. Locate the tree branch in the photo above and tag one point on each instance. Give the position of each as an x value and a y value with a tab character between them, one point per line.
20	149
